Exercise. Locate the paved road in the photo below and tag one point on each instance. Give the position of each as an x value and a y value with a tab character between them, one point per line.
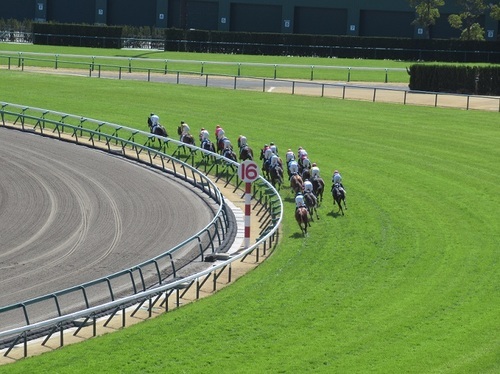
70	214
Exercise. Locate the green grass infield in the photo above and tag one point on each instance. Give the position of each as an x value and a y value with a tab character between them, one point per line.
406	282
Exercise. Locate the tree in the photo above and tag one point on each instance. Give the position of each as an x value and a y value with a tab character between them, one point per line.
467	19
495	11
427	13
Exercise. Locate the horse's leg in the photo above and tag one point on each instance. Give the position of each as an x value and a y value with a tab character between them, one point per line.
339	202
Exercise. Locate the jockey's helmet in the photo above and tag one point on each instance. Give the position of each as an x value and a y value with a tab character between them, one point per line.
336	172
314	164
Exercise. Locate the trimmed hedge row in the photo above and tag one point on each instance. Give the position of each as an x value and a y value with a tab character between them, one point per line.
77	35
474	80
331	46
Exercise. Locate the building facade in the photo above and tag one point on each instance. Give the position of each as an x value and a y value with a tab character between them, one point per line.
382	18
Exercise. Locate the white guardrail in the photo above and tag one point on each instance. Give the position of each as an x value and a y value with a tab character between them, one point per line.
134	144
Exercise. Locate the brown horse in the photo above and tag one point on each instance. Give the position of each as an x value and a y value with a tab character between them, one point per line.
312	204
221	145
318	188
296	183
188	138
302	219
277	177
338	196
246	153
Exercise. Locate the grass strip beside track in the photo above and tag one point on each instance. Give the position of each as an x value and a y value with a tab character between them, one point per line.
407	281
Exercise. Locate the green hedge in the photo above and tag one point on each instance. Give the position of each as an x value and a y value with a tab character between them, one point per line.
475	80
331	46
77	35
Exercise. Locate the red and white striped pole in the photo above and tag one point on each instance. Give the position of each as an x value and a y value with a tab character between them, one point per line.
248	207
248	171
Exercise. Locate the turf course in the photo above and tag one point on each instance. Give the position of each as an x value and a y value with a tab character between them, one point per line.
407	281
293	67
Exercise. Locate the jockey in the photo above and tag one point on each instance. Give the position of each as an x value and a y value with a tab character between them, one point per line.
227	144
268	152
184	130
274	149
299	201
289	156
306	163
274	161
242	141
219	133
314	171
153	121
337	178
293	168
301	153
308	186
204	135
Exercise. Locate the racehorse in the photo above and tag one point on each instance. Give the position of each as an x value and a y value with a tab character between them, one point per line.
246	153
277	176
318	188
338	196
157	130
296	183
306	173
229	153
302	219
188	138
221	145
207	145
312	204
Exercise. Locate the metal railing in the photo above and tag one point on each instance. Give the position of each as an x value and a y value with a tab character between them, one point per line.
190	163
201	67
346	91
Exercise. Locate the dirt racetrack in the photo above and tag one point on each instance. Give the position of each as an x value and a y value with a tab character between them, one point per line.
70	214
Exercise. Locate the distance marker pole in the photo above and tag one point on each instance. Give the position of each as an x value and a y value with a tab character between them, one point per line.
248	207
